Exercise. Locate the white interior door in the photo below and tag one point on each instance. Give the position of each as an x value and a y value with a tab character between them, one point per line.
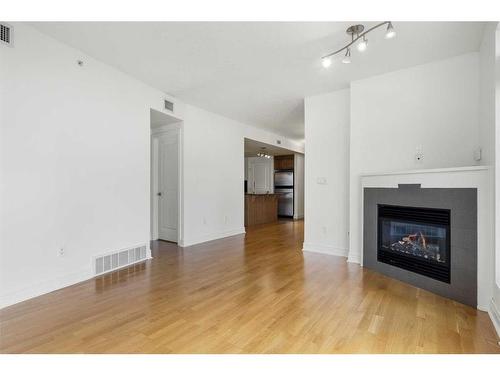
168	182
260	173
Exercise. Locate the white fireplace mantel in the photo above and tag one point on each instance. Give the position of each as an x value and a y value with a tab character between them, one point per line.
478	177
430	171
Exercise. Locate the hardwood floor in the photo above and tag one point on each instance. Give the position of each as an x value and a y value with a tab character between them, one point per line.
258	294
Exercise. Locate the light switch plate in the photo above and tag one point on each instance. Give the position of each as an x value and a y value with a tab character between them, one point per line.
478	154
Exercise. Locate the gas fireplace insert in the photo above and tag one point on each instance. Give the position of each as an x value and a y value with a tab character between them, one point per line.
415	239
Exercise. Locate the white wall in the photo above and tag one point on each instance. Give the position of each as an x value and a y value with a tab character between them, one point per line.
327	158
214	173
75	165
495	305
298	193
433	105
74	154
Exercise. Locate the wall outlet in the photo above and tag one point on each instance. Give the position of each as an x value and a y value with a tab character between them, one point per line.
204	220
323	229
226	219
61	252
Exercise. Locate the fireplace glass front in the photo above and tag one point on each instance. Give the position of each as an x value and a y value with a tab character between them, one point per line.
415	239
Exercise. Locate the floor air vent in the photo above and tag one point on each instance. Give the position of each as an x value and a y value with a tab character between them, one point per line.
113	261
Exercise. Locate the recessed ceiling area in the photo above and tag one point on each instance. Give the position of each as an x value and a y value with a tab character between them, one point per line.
258	72
252	148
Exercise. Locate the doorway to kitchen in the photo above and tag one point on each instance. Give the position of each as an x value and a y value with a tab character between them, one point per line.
166	131
273	183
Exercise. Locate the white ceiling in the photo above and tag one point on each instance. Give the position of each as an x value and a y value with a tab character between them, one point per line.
257	72
253	147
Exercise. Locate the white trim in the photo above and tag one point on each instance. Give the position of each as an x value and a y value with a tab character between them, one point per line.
494	313
212	237
167	128
435	170
324	249
51	285
46	286
354	258
298	217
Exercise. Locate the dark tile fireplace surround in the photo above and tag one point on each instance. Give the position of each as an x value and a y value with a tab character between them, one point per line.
424	237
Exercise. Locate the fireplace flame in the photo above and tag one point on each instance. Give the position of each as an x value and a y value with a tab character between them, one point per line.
417	237
424	241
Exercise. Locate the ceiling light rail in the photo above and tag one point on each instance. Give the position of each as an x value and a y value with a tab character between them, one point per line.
357	33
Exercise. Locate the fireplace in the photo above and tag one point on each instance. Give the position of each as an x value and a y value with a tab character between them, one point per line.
415	239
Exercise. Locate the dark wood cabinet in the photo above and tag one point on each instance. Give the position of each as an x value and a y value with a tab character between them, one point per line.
283	162
261	208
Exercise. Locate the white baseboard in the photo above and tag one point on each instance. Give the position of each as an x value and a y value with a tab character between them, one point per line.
298	217
50	285
324	249
494	313
354	258
212	237
45	286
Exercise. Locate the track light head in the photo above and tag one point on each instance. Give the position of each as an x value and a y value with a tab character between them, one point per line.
390	32
326	62
363	44
347	57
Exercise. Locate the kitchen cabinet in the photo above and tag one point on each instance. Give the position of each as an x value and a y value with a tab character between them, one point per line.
261	208
283	162
260	175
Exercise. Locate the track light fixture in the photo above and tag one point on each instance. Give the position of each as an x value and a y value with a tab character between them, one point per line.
358	35
326	61
262	154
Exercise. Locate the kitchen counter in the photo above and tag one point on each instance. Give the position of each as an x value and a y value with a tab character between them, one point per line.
261	208
258	195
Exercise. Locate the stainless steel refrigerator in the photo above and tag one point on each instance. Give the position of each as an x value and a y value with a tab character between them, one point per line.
283	186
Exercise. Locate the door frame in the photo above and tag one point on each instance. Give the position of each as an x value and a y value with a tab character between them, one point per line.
176	128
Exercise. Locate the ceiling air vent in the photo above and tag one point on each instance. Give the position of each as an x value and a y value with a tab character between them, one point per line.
5	33
169	106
